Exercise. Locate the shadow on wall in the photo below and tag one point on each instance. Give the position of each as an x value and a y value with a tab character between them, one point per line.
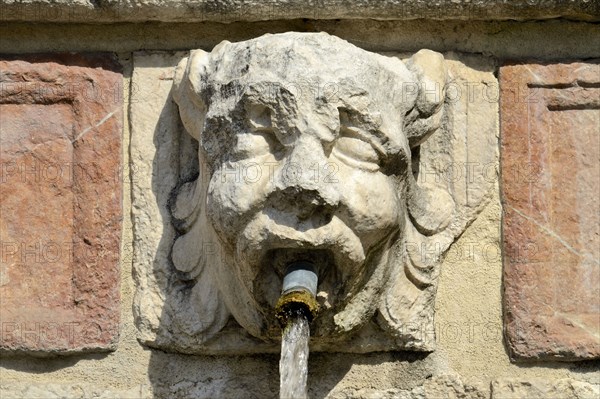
257	376
42	365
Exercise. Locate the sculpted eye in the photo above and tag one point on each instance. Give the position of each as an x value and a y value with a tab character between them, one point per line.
259	139
259	117
352	148
356	148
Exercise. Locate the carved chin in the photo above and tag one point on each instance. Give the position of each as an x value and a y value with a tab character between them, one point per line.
346	273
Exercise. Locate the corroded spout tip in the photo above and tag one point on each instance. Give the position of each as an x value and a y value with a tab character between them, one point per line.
296	303
298	293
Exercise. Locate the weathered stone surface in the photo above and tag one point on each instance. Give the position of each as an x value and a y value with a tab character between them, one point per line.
199	306
551	228
501	39
71	391
260	10
60	224
445	386
544	389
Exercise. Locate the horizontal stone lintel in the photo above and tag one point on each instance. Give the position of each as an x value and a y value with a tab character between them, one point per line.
226	11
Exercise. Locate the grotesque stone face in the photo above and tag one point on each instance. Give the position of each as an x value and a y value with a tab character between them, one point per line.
305	154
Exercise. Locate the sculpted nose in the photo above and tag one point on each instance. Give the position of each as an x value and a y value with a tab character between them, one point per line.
304	204
302	184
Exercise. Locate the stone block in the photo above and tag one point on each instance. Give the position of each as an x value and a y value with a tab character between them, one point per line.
544	389
550	161
86	11
78	391
61	203
443	386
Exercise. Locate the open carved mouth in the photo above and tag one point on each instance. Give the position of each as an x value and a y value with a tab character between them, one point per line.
266	248
327	267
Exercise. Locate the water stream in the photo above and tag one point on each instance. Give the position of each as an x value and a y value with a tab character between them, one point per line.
293	365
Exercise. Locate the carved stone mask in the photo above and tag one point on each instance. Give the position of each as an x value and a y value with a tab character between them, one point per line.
305	148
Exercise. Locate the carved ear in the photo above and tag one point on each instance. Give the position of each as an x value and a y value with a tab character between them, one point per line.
431	74
445	197
187	83
190	74
194	248
430	205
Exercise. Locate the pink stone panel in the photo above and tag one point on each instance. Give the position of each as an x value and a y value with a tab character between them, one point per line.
550	160
60	203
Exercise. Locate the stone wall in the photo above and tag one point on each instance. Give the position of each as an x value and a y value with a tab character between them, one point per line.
488	344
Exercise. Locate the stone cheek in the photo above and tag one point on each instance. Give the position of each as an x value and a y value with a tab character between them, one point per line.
550	183
61	204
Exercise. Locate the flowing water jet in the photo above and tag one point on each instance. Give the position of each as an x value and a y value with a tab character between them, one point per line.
295	310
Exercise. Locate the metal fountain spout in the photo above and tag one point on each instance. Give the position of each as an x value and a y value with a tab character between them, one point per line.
298	293
296	308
